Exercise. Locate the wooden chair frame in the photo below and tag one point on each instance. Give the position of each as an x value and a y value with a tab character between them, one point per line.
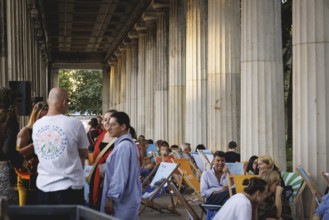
150	201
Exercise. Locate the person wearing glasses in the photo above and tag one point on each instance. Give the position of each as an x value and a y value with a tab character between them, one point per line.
122	190
26	175
60	143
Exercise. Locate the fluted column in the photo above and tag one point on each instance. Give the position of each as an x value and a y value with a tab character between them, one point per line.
117	77
112	103
127	45
133	35
141	29
196	73
3	46
122	76
150	71
161	74
262	100
177	72
105	88
310	83
223	73
54	81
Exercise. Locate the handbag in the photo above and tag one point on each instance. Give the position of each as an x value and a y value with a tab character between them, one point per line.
88	178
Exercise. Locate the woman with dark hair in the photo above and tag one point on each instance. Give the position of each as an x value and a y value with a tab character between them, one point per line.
103	148
9	128
240	205
252	167
92	135
122	187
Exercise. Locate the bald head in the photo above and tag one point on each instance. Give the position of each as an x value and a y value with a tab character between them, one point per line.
57	101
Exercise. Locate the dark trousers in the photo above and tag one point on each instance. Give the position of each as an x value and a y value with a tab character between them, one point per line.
61	197
219	198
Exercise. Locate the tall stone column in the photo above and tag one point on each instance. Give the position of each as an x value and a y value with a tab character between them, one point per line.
223	73
141	29
105	88
122	76
177	72
133	35
113	69
117	78
310	83
150	71
54	80
196	73
262	100
3	45
161	74
127	45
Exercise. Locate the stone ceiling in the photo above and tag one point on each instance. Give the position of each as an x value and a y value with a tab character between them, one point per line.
84	33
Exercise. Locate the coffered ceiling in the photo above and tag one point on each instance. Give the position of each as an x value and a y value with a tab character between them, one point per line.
87	31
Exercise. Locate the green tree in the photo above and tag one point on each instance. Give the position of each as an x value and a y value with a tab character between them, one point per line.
84	88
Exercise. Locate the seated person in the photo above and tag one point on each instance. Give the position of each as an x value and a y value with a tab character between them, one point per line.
214	181
147	164
200	147
275	205
165	156
322	212
252	167
231	155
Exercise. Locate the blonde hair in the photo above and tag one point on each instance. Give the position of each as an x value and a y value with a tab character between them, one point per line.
269	161
270	176
36	111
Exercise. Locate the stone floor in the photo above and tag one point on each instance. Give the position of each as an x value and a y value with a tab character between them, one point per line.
164	200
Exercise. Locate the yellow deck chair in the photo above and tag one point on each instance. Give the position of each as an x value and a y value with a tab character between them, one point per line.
237	181
185	168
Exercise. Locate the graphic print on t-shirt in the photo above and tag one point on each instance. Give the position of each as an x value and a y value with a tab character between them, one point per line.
51	142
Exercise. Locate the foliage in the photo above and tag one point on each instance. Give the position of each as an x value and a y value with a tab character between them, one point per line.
85	90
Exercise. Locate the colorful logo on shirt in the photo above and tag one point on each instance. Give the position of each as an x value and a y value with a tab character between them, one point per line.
50	142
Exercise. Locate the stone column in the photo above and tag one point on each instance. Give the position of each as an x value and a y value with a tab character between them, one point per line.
105	88
177	72
54	81
262	100
112	103
196	73
161	74
133	35
223	73
141	29
150	70
117	81
122	76
3	45
310	83
127	45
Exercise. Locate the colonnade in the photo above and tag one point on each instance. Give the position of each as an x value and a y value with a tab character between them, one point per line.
23	55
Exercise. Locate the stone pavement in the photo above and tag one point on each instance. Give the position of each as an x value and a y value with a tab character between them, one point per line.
164	200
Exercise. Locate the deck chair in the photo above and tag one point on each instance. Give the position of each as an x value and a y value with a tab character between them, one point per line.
316	195
162	177
298	185
190	211
185	168
236	181
206	162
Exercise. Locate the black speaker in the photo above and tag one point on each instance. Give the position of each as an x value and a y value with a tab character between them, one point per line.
22	92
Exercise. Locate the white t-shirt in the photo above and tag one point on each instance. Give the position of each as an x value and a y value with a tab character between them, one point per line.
57	140
238	207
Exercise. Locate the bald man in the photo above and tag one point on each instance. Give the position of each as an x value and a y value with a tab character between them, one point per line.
61	144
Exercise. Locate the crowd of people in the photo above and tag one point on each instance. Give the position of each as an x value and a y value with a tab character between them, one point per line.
46	158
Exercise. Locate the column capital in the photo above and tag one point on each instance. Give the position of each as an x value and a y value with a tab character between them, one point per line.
141	28
159	5
149	16
133	34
